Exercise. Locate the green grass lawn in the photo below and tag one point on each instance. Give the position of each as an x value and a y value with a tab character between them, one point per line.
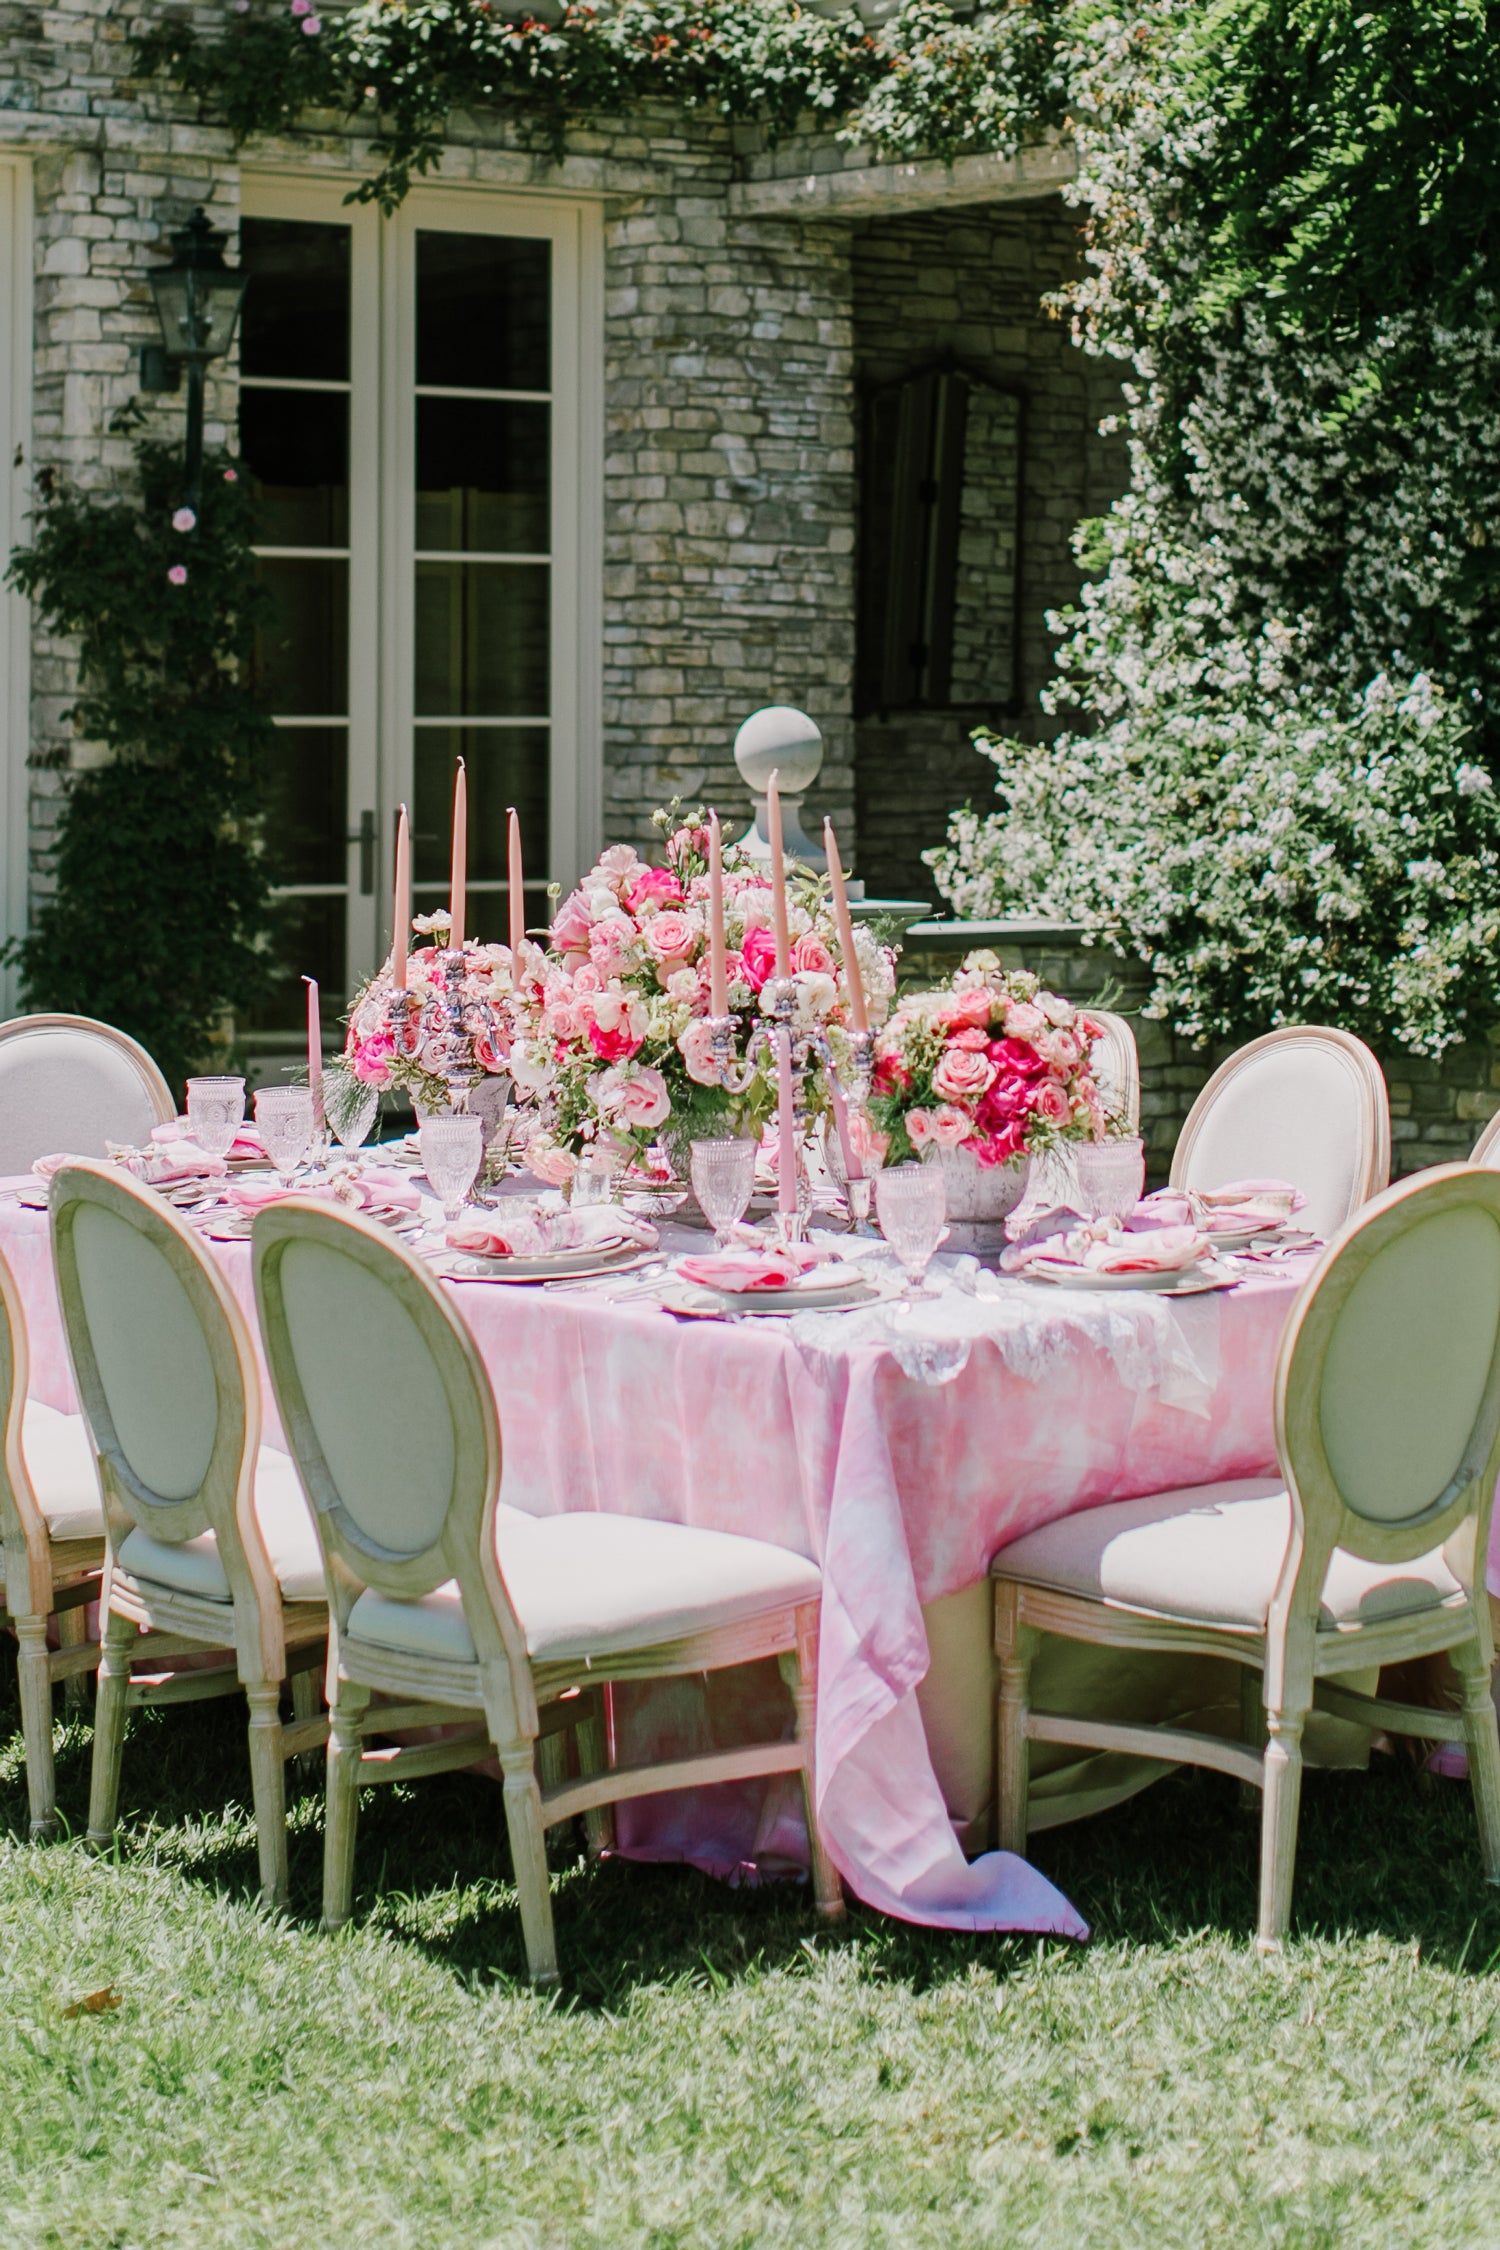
718	2071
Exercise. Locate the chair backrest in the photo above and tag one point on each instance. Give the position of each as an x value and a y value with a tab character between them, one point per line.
1388	1379
389	1415
166	1373
1117	1066
27	1576
1486	1150
1303	1104
67	1082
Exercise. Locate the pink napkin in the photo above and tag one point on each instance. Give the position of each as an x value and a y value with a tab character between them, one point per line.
257	1195
246	1142
1243	1202
739	1271
164	1164
529	1233
1168	1250
371	1187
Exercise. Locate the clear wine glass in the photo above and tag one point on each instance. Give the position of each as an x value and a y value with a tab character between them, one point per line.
452	1151
352	1116
912	1207
723	1177
215	1108
285	1117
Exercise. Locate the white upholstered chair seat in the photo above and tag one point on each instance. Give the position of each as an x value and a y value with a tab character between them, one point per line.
192	1566
1212	1553
60	1459
588	1585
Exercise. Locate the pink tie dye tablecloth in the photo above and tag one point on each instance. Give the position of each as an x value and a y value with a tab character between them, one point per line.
898	1450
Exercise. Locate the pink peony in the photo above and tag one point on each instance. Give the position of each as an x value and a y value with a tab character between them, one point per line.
1049	1101
696	1048
949	1126
758	954
1062	1051
670	936
609	947
653	887
617	1045
962	1076
570	930
812	954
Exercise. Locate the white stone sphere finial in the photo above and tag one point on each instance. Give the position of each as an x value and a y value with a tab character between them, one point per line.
782	741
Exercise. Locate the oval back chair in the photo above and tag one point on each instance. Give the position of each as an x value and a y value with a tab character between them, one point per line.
458	1606
1486	1150
1303	1104
209	1540
1117	1066
69	1082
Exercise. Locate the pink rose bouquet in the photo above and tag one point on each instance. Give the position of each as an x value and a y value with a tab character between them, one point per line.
993	1064
418	1048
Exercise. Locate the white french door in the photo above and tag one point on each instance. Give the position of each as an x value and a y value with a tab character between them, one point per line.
419	408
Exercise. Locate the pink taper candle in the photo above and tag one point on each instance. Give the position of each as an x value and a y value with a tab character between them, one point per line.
786	1129
718	983
517	883
778	875
459	878
314	1050
401	930
841	915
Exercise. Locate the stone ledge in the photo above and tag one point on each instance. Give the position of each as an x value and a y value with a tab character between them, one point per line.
804	185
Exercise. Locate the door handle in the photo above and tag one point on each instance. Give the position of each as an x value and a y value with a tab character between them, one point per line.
366	836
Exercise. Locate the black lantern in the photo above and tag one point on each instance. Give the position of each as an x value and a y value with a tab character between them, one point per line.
198	303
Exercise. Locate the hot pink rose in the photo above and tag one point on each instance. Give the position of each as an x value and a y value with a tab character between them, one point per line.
1051	1102
617	1045
962	1076
1017	1059
950	1126
696	1048
372	1058
670	935
810	952
998	1148
758	953
653	887
973	1004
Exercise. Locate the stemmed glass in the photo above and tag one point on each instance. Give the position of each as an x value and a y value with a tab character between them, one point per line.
912	1208
285	1117
723	1177
452	1151
351	1116
215	1108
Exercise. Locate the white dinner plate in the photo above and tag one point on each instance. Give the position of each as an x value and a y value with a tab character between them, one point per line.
464	1265
1240	1238
234	1226
1182	1281
692	1297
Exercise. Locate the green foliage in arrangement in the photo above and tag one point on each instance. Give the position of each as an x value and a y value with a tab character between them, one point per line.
157	921
925	83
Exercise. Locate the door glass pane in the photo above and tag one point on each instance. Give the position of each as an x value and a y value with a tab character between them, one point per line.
482	639
507	766
296	313
307	939
482	475
296	445
306	796
484	306
303	652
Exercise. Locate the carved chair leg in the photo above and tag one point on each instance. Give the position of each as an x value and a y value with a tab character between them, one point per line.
1015	1646
799	1668
341	1818
117	1641
528	1851
268	1787
593	1757
1483	1743
1278	1831
72	1632
36	1724
305	1705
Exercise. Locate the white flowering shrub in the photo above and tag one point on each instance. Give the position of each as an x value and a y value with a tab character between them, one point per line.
1268	867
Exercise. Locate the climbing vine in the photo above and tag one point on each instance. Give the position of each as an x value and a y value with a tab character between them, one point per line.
157	921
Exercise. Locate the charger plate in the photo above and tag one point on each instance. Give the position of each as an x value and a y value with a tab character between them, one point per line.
234	1226
464	1265
691	1297
1183	1281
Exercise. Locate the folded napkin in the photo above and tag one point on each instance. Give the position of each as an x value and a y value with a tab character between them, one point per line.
737	1272
373	1187
1101	1247
1268	1198
256	1195
163	1164
246	1142
529	1233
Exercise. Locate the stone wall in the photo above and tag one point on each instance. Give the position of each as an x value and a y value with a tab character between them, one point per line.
971	283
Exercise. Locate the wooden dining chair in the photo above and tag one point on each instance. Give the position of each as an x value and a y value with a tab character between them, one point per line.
70	1079
209	1542
1368	1549
466	1612
1117	1067
1302	1104
51	1548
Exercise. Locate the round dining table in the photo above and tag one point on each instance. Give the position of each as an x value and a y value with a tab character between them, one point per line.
899	1445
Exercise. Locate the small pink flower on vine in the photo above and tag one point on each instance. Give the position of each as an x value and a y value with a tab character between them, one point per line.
302	7
177	575
184	520
231	476
312	26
